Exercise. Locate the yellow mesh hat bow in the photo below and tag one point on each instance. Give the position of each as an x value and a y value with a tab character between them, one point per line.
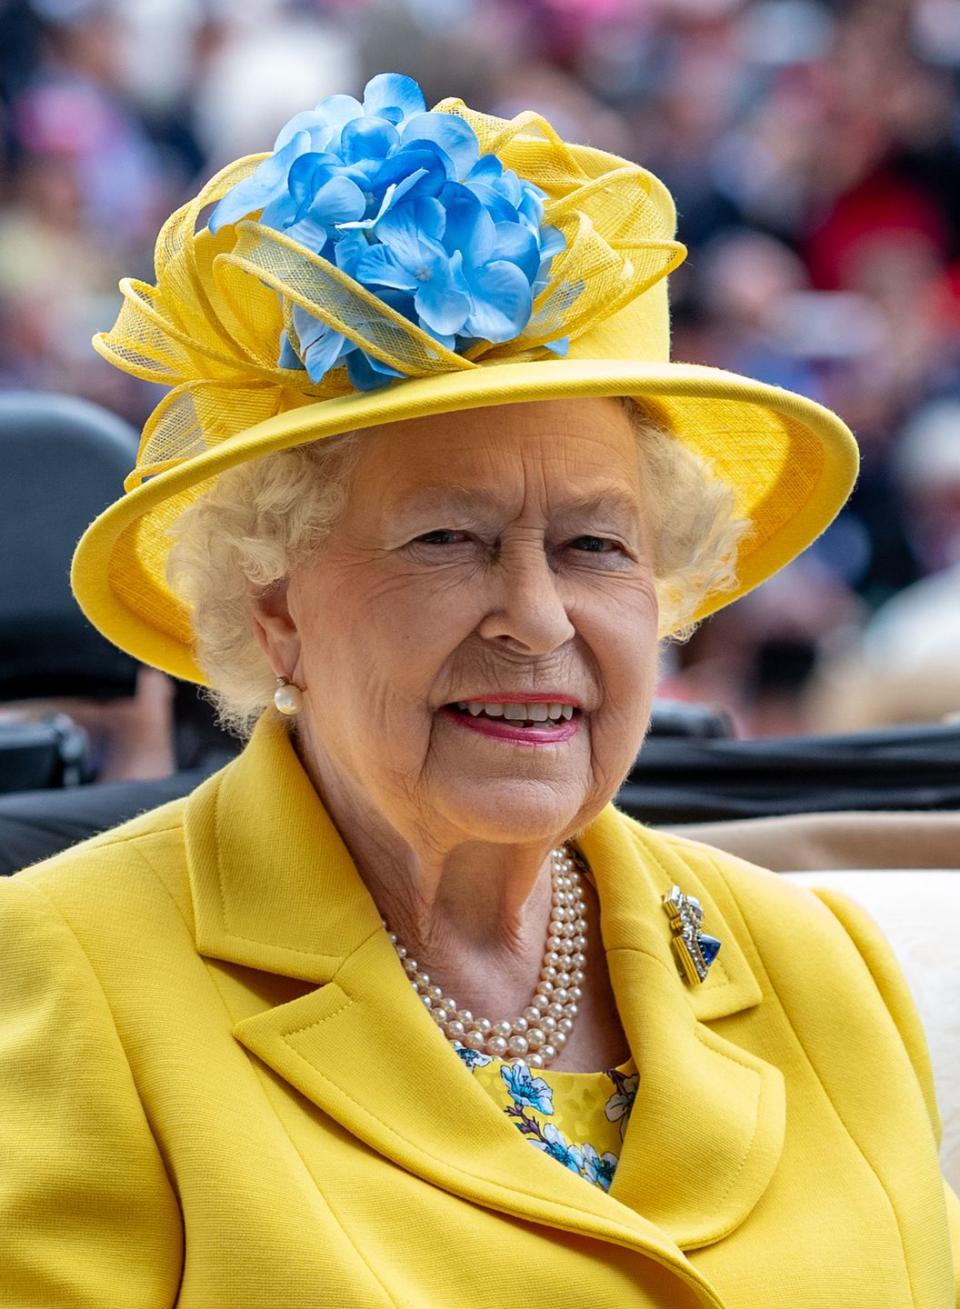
269	335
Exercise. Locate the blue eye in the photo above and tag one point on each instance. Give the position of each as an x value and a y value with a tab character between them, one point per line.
442	536
594	544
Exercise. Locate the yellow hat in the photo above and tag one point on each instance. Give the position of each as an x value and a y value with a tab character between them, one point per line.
211	329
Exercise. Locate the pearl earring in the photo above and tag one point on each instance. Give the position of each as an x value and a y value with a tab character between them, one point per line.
287	697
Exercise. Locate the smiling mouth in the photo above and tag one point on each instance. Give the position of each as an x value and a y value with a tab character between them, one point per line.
540	713
537	723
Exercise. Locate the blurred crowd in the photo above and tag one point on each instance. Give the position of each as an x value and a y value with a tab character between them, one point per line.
813	147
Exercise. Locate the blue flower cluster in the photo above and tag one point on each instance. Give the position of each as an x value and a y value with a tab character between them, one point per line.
401	200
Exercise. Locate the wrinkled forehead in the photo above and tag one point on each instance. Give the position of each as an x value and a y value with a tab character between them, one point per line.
562	454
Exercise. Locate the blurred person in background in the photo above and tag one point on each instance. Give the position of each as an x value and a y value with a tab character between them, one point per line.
816	141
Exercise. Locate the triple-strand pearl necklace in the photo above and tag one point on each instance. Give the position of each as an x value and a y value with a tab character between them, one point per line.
542	1030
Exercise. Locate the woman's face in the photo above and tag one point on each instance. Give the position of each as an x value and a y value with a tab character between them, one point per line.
488	567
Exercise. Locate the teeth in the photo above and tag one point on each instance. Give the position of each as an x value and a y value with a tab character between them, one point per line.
538	712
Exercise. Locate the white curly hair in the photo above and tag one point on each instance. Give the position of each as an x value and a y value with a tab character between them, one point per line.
264	517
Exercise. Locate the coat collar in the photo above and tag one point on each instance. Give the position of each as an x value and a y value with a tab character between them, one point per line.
274	889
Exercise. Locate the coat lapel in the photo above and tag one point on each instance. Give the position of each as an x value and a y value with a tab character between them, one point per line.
274	889
707	1126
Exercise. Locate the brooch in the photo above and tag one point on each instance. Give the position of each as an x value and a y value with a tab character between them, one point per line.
693	950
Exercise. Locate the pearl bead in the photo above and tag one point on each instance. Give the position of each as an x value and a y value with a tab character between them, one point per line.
542	1030
288	699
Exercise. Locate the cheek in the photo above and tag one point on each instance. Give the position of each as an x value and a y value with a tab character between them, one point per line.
385	630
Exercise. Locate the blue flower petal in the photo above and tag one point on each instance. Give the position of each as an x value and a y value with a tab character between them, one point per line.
425	157
552	241
502	301
379	265
281	212
440	303
307	174
268	182
469	229
454	135
320	346
319	128
400	230
367	139
338	200
428	217
487	170
362	375
499	209
559	347
393	96
288	357
519	246
348	250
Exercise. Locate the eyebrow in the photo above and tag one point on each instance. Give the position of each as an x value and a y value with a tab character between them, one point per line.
459	499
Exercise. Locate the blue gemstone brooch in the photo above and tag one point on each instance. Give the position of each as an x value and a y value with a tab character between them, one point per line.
693	950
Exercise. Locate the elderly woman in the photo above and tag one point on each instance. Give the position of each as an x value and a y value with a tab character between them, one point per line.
398	1009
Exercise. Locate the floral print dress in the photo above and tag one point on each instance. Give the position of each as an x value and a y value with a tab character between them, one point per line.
579	1119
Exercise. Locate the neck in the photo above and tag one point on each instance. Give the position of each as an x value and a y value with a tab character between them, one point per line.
473	913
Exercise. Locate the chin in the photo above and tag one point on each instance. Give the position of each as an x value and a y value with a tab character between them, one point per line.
515	812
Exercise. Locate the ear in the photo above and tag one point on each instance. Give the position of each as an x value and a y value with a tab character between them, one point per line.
275	629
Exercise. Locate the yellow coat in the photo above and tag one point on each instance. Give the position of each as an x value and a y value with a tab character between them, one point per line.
219	1091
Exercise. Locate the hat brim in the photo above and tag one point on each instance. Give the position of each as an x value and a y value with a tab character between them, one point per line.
790	461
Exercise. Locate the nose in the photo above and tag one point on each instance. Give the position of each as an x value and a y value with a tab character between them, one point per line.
528	613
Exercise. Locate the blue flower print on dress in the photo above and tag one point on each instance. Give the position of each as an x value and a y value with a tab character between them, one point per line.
598	1169
401	200
472	1058
617	1108
525	1089
558	1147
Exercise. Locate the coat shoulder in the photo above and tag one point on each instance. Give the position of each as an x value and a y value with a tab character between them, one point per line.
122	875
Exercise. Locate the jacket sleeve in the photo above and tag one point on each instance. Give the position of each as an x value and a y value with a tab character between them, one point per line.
892	985
88	1217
